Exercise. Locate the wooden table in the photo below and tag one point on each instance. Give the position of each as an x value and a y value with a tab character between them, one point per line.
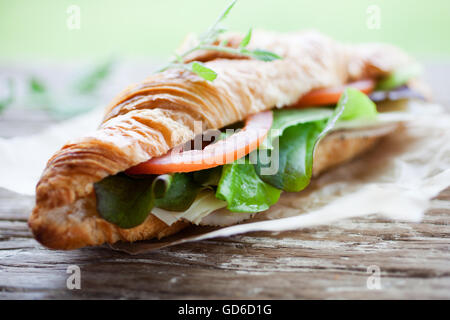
325	262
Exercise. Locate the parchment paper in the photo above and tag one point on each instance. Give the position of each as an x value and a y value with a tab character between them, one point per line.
22	159
396	180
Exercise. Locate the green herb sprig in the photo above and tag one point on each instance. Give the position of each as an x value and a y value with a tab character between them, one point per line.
206	41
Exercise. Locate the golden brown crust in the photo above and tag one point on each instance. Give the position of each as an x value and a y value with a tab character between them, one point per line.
148	119
78	225
340	147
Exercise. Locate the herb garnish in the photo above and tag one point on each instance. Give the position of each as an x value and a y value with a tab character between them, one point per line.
206	42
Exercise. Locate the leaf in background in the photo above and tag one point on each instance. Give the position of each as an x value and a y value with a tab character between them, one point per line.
8	98
243	190
78	98
204	72
37	85
297	143
175	192
246	39
93	79
38	96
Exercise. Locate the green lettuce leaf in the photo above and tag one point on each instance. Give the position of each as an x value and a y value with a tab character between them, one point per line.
298	141
127	201
286	118
399	77
243	189
123	200
208	177
175	192
355	105
295	157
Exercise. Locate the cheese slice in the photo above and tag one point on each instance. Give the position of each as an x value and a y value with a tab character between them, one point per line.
205	203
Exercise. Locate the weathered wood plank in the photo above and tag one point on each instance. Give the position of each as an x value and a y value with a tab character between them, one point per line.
324	262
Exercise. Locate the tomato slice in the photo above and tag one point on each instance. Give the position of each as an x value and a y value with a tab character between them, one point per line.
222	152
327	96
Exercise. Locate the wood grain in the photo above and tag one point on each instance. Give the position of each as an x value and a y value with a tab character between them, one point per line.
328	262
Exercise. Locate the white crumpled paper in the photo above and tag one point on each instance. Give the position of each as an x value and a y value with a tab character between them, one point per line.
397	179
22	159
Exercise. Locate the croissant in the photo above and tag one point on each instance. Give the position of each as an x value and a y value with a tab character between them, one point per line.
147	119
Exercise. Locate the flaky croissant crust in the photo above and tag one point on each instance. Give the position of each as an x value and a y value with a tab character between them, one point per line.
149	118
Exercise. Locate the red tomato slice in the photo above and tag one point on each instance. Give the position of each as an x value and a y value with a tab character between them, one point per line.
222	152
327	96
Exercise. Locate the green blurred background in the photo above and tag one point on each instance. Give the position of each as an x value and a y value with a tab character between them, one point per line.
153	28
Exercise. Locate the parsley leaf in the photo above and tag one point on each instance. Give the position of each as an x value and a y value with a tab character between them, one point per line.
203	71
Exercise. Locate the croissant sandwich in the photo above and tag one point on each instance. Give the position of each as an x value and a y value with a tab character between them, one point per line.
182	149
